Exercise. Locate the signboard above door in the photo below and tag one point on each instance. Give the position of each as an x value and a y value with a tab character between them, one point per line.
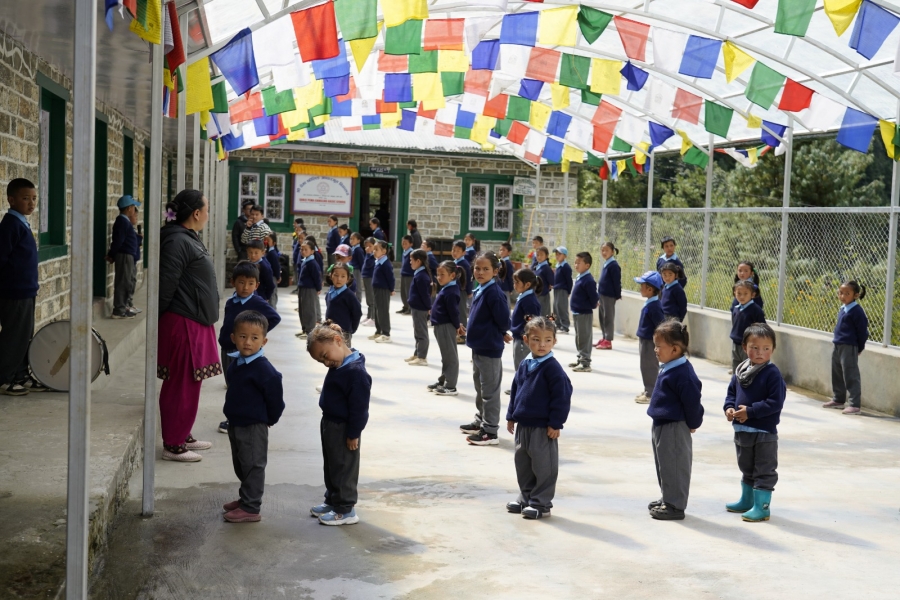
322	194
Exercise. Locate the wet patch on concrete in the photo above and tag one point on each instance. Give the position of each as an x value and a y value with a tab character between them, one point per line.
33	565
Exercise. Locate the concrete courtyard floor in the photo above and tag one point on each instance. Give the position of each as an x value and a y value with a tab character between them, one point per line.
433	523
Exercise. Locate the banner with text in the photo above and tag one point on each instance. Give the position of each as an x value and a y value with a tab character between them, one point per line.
322	194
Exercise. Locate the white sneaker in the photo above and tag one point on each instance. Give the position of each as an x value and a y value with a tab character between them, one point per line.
643	399
419	362
411	358
374	336
385	339
368	323
319	388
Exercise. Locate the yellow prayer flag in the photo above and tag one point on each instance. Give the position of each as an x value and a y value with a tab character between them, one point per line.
435	104
153	32
564	166
488	147
397	12
204	119
199	89
573	154
361	49
479	134
309	95
686	143
621	166
293	118
317	121
452	61
294	136
754	122
540	115
640	153
560	94
753	154
427	87
841	13
605	76
736	61
887	134
391	120
167	79
483	122
559	26
220	152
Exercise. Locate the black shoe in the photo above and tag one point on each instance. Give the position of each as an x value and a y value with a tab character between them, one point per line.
122	315
33	385
470	428
530	512
654	504
514	507
434	386
445	391
400	312
223	427
664	512
483	438
508	392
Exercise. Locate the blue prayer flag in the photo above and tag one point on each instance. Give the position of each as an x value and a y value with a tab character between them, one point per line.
337	66
397	87
613	170
856	130
465	119
700	57
558	124
494	134
371	120
530	88
314	133
236	62
485	55
659	134
110	5
553	150
231	143
768	138
873	25
266	125
342	109
635	76
337	86
408	120
519	29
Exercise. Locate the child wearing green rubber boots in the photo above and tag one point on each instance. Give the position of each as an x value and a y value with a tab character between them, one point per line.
753	404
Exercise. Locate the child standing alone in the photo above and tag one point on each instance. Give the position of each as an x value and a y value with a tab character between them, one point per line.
124	253
609	287
562	287
651	317
584	300
850	335
538	407
420	304
446	325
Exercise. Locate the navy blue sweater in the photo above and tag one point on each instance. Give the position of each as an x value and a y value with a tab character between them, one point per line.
368	266
663	260
488	322
295	254
310	275
540	398
676	397
357	258
651	316
610	283
233	309
378	234
332	240
674	301
470	254
563	279
345	396
584	296
266	279
344	309
446	306
852	327
467	274
432	264
506	284
764	399
273	257
255	393
317	256
406	269
18	259
528	305
383	276
742	319
125	239
545	272
420	291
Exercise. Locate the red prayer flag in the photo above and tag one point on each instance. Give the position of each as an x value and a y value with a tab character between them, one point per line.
131	5
385	107
602	139
478	82
746	3
517	132
606	115
316	32
428	114
543	64
604	171
393	63
175	57
351	92
444	129
687	106
444	34
496	107
246	109
634	37
795	97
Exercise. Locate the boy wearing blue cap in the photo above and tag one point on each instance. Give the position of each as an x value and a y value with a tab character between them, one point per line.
562	287
124	253
651	317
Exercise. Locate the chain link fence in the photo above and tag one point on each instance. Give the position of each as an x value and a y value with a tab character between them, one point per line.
824	248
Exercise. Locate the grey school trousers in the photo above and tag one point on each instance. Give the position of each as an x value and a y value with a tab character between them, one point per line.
845	377
561	308
673	455
340	466
124	283
757	456
537	467
226	362
520	351
445	335
607	314
370	298
16	329
544	301
487	374
420	332
584	327
382	311
463	307
737	355
405	284
249	452
273	299
649	365
308	300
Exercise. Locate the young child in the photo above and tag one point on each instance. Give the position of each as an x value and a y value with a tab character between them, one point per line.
273	257
528	286
668	255
420	304
471	247
543	270
344	231
562	288
485	335
357	258
377	232
651	317
458	252
677	413
850	335
382	288
310	282
538	407
609	287
256	252
428	247
296	239
317	256
257	228
584	300
253	403
746	271
406	274
342	256
446	326
673	300
124	253
333	239
345	411
506	284
745	313
368	270
536	242
341	304
753	404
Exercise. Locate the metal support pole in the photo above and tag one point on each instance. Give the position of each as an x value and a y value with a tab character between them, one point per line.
182	116
84	96
603	214
151	275
212	195
537	194
221	223
892	253
195	153
565	230
649	226
704	275
785	204
206	188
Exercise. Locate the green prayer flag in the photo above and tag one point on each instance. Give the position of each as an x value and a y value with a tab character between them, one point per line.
179	79
589	97
404	39
696	156
592	22
368	126
300	126
764	85
358	18
594	160
220	98
574	71
503	125
203	134
142	12
324	108
896	143
718	118
453	83
620	145
426	62
631	169
278	142
276	102
793	16
412	104
519	109
462	133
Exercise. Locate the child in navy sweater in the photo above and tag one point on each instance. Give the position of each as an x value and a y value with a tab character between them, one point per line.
538	407
609	287
562	287
746	271
528	287
651	317
273	257
753	404
253	403
506	284
668	255
743	315
677	413
382	288
458	252
256	252
673	300
344	401
850	335
584	300
487	331
341	304
543	270
471	247
368	270
357	258
428	247
406	274
124	253
420	304
310	284
446	325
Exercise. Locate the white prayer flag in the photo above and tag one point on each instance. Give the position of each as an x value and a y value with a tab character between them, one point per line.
631	128
823	113
478	27
473	103
668	49
273	45
660	98
514	60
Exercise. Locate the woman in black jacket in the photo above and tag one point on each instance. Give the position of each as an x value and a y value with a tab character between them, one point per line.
188	311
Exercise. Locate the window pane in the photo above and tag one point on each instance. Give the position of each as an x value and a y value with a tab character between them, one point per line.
501	220
478	194
502	196
275	198
478	219
44	183
250	184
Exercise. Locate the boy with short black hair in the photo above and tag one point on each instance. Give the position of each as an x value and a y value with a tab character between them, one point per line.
256	252
584	300
406	274
536	242
253	403
650	319
257	228
124	252
562	287
668	247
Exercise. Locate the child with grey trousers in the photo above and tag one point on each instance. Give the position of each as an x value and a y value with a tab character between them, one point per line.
446	324
850	335
419	300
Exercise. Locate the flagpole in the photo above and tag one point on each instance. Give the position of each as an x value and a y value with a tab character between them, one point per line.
785	205
707	217
182	110
892	251
648	232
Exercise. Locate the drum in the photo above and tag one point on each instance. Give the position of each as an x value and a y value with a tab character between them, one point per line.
48	355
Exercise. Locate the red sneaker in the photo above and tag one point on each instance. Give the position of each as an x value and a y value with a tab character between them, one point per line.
230	506
605	345
239	515
599	343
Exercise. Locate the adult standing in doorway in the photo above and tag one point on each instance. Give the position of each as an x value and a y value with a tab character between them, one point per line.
238	229
188	311
413	229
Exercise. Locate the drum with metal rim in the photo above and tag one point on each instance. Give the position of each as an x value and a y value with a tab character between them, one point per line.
48	355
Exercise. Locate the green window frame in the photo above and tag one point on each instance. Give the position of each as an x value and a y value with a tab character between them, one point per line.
487	206
52	182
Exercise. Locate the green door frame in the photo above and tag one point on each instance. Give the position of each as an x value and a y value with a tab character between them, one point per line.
402	216
101	203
